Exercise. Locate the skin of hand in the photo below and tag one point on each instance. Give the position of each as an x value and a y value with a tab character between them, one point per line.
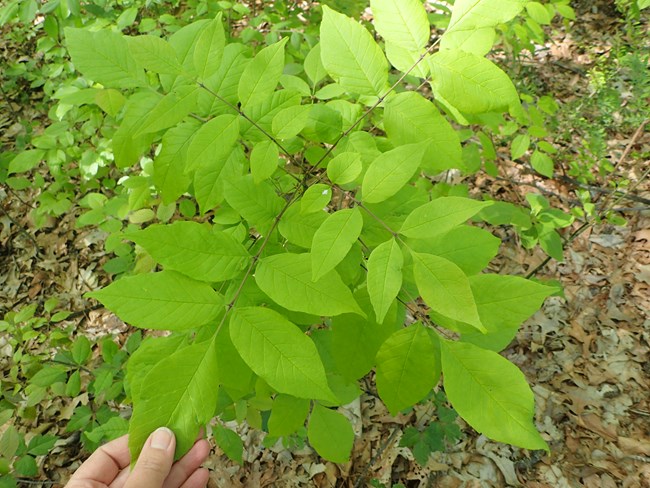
108	466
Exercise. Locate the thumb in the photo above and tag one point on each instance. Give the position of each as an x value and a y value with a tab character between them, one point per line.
155	461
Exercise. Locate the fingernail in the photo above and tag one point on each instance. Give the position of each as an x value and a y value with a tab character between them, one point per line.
161	438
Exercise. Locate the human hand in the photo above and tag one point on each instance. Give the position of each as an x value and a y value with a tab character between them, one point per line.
108	466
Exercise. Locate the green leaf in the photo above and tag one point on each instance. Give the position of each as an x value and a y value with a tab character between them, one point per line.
288	414
213	141
344	168
104	57
26	466
186	382
126	148
286	279
115	427
288	122
351	56
407	368
26	161
538	13
261	76
149	353
81	350
110	101
230	443
9	442
299	228
323	124
333	240
472	23
264	160
384	276
330	434
315	199
410	118
440	216
313	65
40	445
504	303
208	51
445	288
519	146
542	163
48	376
166	300
170	110
224	82
470	83
279	353
470	248
401	22
193	249
154	54
390	171
490	394
210	177
258	204
169	166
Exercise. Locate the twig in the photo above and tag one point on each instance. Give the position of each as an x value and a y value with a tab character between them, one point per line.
598	189
376	457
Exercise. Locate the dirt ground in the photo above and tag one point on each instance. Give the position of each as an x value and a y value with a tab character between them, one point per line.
587	357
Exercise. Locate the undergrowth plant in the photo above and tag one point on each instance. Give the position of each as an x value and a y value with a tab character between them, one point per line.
289	228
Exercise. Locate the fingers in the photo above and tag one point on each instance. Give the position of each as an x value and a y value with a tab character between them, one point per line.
198	479
186	467
155	460
104	464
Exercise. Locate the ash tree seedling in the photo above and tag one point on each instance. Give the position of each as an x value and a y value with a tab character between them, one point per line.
319	236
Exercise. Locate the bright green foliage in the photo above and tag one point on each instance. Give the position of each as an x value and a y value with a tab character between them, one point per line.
287	280
390	172
351	56
104	57
164	300
288	414
384	276
472	23
330	433
410	118
470	83
194	250
278	352
183	381
445	288
407	368
264	160
333	240
320	221
154	54
261	76
440	216
490	393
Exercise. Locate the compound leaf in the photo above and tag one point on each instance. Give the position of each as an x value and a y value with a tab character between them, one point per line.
257	204
170	110
208	51
154	54
264	160
213	141
490	393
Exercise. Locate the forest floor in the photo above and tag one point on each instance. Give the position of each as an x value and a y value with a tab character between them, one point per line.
586	356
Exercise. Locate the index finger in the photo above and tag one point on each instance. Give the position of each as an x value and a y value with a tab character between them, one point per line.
106	462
